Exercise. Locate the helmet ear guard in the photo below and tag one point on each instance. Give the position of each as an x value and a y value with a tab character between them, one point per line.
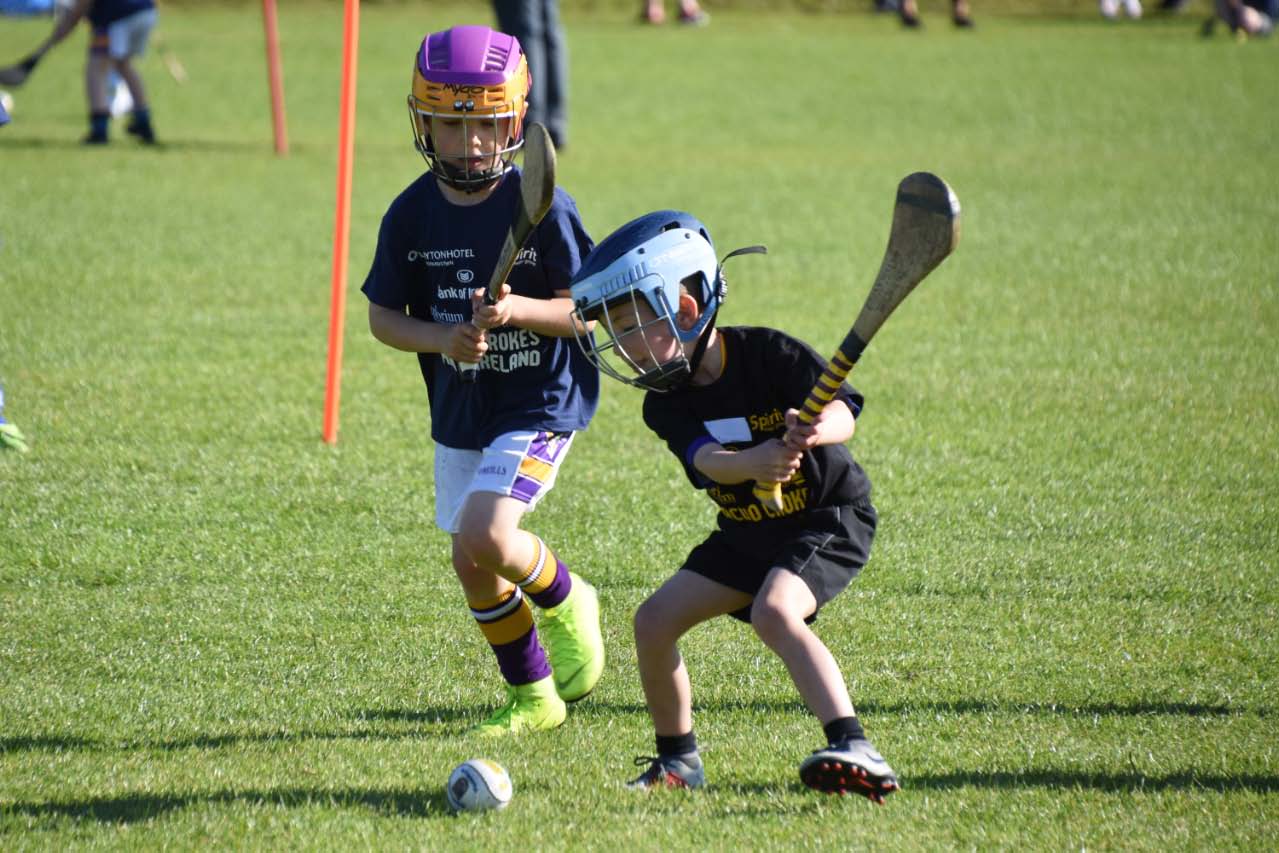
650	262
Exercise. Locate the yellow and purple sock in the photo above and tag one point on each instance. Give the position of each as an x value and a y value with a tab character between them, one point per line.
545	580
507	624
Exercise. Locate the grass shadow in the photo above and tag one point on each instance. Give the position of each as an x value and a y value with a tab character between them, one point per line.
47	743
70	743
75	743
133	808
420	715
167	145
1130	782
425	804
1058	780
959	707
597	708
1140	708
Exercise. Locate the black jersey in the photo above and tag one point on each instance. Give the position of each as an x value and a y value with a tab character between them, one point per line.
765	373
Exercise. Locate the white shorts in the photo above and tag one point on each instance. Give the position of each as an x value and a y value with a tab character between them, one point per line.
128	37
521	465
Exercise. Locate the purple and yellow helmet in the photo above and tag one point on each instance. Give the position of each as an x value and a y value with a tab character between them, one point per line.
470	74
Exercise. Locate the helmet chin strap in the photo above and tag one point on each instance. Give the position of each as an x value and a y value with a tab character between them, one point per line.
695	360
721	287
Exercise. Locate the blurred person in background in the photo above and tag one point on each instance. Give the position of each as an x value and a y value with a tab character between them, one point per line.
1110	8
536	24
690	13
1244	17
118	95
121	29
959	13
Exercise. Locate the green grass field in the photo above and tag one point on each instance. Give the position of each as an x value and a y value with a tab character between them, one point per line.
216	630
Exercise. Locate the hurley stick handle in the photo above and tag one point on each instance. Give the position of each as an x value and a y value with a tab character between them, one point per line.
537	192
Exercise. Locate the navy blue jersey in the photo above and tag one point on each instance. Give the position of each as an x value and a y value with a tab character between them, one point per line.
765	373
105	12
431	255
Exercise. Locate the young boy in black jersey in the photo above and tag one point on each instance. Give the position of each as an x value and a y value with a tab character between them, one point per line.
725	400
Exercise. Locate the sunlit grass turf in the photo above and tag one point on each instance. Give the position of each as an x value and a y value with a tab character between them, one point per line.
218	630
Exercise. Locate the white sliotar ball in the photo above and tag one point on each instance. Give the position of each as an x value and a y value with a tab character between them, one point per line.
479	784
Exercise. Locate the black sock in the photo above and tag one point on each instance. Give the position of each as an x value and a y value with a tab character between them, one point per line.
842	729
98	124
671	745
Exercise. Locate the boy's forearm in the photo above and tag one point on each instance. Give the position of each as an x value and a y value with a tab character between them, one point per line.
402	332
722	466
550	317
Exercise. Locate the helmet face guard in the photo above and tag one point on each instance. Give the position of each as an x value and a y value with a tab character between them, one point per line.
622	344
467	105
631	285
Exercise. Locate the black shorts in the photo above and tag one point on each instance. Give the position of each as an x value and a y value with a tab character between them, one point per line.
826	554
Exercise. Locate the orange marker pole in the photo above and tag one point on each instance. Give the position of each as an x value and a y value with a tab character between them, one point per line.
275	77
342	220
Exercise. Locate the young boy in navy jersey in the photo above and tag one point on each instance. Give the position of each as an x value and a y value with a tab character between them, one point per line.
500	439
121	29
724	401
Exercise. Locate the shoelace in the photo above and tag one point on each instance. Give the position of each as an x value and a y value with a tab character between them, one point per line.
656	770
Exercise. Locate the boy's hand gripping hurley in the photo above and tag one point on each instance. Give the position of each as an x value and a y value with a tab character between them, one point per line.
925	230
537	190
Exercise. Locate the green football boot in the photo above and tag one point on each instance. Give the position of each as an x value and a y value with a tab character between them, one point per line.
532	707
11	437
571	634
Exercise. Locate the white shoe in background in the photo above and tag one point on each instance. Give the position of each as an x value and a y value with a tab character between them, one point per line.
121	99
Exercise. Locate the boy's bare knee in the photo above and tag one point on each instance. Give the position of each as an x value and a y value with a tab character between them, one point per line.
481	544
650	624
770	622
462	563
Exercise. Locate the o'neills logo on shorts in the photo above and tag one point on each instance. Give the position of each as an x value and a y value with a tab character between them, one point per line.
494	470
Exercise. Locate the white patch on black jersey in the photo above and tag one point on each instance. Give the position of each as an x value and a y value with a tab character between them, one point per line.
729	430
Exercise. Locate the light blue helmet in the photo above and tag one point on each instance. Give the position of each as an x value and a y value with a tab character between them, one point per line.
649	260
